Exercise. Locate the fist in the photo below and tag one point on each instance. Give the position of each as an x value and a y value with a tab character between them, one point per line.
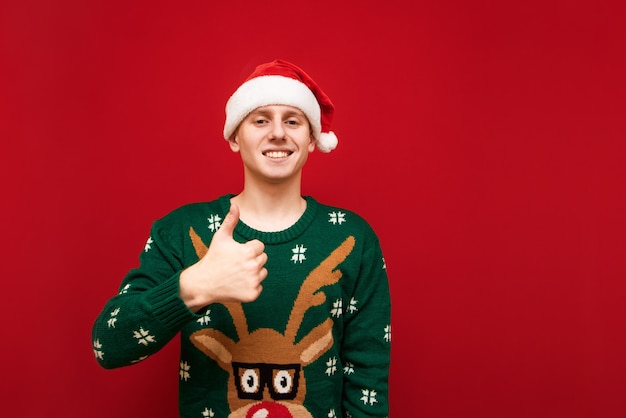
229	271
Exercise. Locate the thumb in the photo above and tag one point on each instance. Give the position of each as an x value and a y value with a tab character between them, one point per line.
230	221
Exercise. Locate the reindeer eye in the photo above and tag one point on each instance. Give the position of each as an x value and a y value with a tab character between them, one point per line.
283	381
250	379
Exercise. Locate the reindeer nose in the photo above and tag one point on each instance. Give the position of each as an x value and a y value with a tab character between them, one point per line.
268	410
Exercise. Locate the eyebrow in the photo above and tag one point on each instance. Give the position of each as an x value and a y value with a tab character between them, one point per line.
289	112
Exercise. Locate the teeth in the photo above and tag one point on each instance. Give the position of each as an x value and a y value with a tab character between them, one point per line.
276	154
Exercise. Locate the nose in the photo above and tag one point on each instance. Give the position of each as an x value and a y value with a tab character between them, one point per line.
268	410
278	130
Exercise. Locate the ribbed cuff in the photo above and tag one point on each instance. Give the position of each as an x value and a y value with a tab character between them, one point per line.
167	306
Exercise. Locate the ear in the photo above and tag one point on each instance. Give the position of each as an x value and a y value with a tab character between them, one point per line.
312	143
233	142
234	145
215	345
316	343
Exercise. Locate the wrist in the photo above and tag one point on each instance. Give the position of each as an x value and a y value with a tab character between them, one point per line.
190	293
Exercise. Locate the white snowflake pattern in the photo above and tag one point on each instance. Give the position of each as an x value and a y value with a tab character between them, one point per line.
148	245
331	366
143	336
298	254
184	371
348	368
97	350
214	222
387	335
369	396
125	289
332	414
113	319
208	413
205	319
384	264
140	359
337	309
352	306
337	217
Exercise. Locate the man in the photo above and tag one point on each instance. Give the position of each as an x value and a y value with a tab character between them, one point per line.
282	303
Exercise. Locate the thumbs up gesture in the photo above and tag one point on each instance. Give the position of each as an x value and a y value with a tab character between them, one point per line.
229	272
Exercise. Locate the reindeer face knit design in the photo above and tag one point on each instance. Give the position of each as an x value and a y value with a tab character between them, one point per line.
316	343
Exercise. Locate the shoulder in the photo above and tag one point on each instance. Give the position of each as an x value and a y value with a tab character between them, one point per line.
341	213
193	213
349	219
337	223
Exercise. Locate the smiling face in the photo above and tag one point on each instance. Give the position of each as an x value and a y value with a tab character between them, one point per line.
274	143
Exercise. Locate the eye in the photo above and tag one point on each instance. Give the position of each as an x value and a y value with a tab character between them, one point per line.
293	122
250	381
283	381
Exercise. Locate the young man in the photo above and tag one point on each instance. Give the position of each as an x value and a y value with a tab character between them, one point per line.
282	303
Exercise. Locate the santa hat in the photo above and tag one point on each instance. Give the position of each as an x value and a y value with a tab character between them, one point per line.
282	83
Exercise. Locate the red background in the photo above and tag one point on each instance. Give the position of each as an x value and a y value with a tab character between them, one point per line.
483	141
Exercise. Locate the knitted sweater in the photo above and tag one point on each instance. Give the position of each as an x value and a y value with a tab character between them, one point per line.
316	342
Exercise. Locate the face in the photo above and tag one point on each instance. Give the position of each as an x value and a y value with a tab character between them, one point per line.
274	143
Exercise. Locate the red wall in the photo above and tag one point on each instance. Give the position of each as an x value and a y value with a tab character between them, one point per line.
484	141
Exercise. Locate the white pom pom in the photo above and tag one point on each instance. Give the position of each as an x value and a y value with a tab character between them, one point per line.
327	142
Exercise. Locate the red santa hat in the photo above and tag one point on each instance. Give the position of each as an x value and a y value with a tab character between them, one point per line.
282	83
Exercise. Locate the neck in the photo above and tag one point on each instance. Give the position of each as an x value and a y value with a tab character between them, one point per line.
270	208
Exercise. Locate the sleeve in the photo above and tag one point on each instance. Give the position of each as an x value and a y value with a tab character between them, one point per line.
147	312
366	349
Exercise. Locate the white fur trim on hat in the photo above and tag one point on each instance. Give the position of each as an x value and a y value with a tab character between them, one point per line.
271	90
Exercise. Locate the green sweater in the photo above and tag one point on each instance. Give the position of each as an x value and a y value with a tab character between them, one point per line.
315	343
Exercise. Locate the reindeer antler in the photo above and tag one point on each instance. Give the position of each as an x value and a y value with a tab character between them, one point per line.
323	275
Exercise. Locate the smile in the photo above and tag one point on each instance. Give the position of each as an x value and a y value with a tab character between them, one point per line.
277	154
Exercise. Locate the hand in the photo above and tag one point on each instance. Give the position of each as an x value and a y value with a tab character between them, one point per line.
228	272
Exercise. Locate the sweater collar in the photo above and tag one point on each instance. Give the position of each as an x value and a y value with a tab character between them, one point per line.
247	233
